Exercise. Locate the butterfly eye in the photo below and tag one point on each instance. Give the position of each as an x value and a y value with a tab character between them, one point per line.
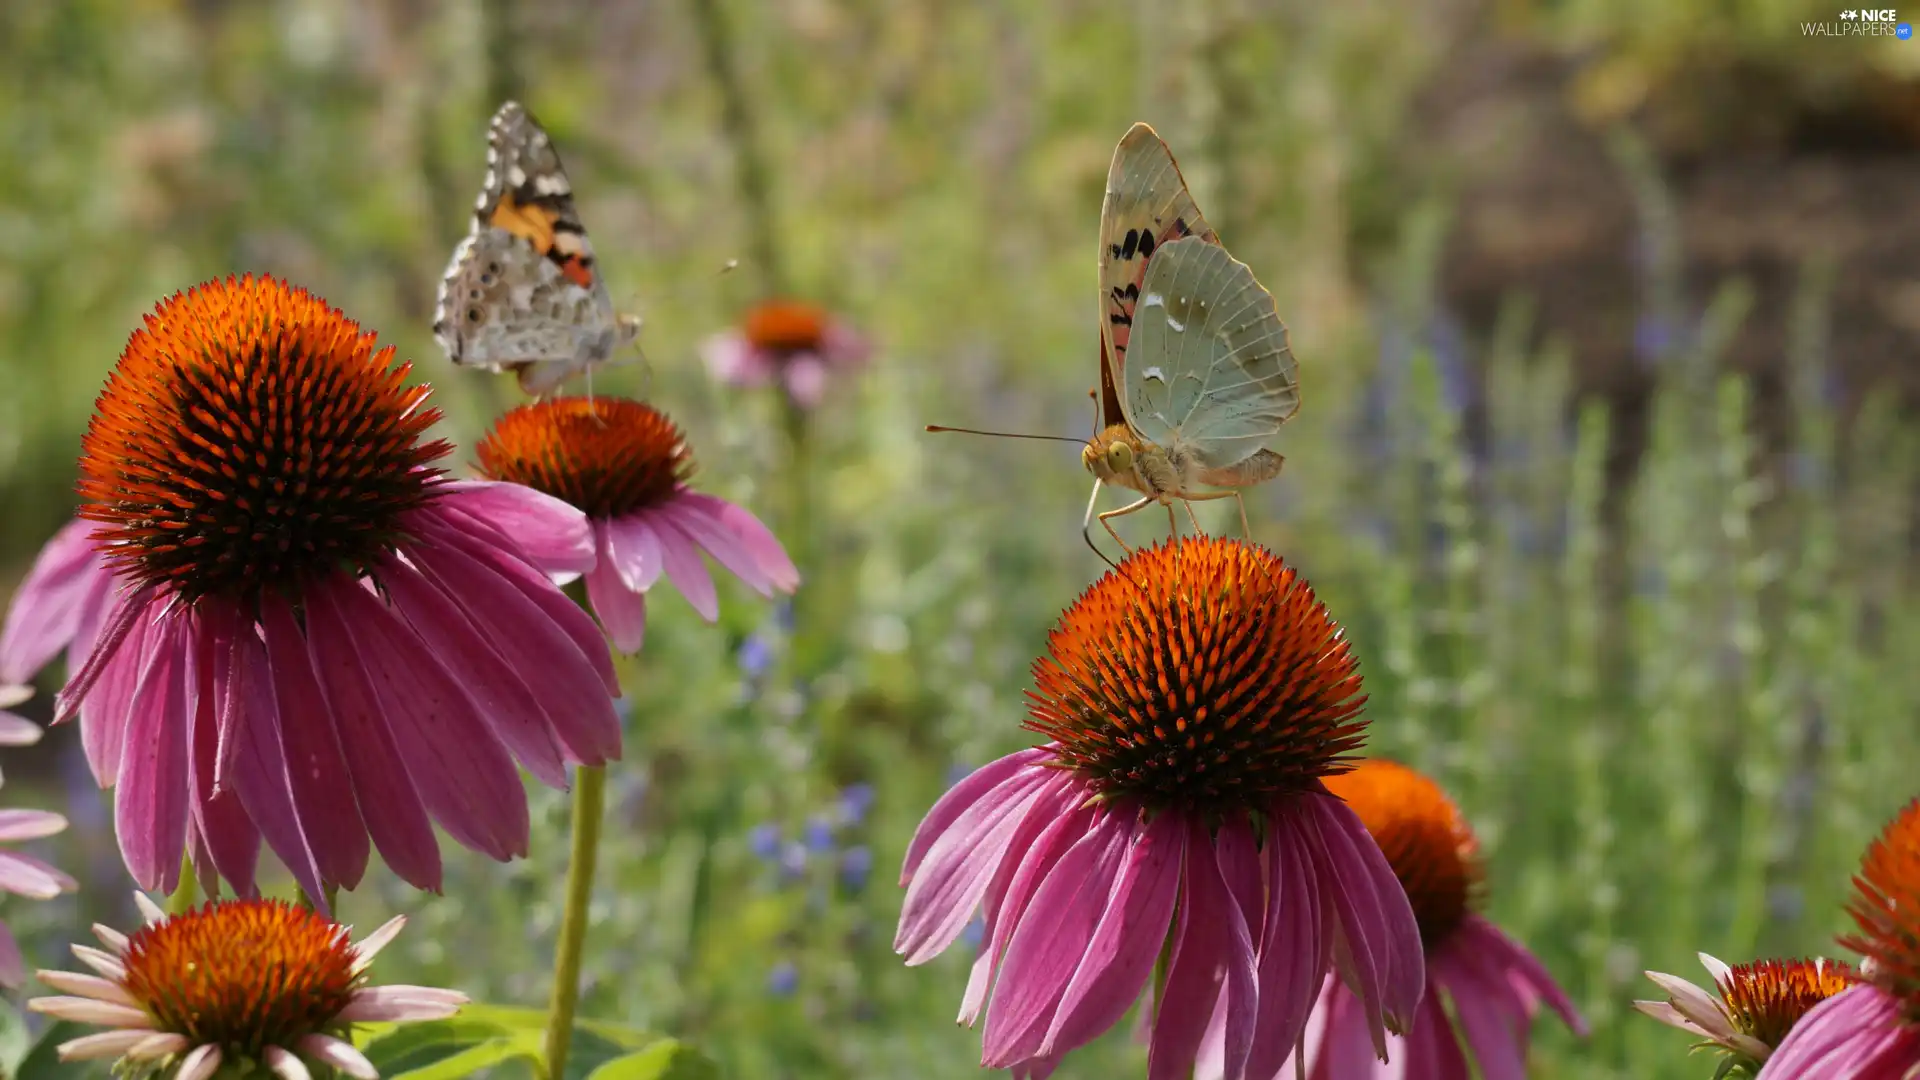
1119	457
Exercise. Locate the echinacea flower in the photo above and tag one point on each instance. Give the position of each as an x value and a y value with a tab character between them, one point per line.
1871	1030
20	874
1491	982
240	983
625	465
1192	700
794	344
314	638
1752	1007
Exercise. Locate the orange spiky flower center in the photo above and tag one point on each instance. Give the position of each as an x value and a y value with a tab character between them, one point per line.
243	974
1425	838
252	437
1766	998
786	327
606	456
1202	674
1886	907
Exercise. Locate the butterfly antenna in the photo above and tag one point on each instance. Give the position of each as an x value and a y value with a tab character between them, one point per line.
1006	434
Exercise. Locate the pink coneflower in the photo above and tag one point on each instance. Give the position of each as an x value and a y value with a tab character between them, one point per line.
1753	1006
1871	1030
240	983
1193	700
1492	983
24	875
626	466
315	639
795	344
59	605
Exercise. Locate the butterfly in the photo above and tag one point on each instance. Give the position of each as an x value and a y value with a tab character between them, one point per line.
1195	370
522	292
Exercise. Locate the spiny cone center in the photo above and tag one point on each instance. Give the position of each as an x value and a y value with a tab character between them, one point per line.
1201	673
1766	998
1426	840
251	437
786	327
1886	907
243	974
606	456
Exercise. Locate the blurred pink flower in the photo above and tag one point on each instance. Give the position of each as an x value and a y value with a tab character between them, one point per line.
1872	1030
24	875
795	344
1193	700
255	985
312	638
1494	985
626	466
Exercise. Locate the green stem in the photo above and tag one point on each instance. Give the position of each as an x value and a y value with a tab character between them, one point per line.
589	799
185	893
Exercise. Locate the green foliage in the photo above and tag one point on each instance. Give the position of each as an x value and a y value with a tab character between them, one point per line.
487	1037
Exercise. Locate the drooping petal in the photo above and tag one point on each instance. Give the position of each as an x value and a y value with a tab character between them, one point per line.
622	611
285	1064
1374	919
231	839
400	828
48	605
959	798
322	785
253	755
955	874
1056	799
1855	1033
464	776
550	531
1296	943
109	707
200	1063
18	825
761	544
684	568
150	800
511	710
635	549
695	528
29	877
1044	952
1493	1018
1497	951
517	614
1211	972
127	612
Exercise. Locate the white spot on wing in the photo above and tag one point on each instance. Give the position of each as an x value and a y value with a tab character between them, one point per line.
1154	373
1153	299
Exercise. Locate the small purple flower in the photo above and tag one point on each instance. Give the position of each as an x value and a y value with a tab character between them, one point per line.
783	980
764	841
856	865
755	656
793	860
855	801
819	835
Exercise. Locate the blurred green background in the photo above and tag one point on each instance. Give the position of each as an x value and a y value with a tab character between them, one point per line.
1607	316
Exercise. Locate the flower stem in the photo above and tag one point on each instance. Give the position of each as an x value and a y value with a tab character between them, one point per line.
589	800
185	893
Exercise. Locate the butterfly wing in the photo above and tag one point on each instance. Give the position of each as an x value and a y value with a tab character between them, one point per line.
1146	205
504	307
527	193
1210	367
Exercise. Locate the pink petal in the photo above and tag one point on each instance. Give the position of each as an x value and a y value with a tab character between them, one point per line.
695	527
104	715
253	759
464	776
1296	942
960	797
843	347
948	889
95	605
538	641
1056	799
121	618
805	377
397	819
49	603
1045	951
509	708
29	877
635	550
684	568
732	359
1855	1033
1493	1018
1432	1051
18	730
550	601
759	541
1523	969
322	785
1211	972
1030	870
549	530
18	825
231	840
1373	917
622	611
150	803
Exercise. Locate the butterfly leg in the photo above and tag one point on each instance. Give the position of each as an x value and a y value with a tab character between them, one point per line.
1106	519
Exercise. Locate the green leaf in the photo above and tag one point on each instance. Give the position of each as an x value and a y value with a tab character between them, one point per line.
668	1059
483	1036
43	1061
